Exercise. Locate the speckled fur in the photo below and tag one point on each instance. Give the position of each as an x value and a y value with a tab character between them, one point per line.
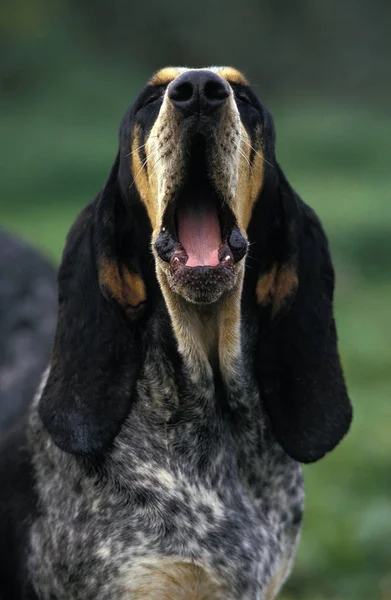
181	481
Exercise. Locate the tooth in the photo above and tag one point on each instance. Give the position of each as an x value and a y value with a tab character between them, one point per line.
175	259
227	258
163	229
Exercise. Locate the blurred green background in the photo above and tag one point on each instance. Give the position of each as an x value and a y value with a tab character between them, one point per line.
68	69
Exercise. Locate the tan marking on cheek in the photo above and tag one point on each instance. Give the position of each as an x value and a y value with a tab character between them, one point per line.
164	76
243	193
251	178
126	287
140	175
256	181
276	286
233	75
162	580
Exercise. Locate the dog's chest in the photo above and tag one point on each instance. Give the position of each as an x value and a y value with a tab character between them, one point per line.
187	478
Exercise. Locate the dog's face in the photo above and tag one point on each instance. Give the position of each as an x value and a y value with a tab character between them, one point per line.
196	157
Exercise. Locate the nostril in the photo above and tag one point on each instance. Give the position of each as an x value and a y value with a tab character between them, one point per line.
198	91
216	90
181	92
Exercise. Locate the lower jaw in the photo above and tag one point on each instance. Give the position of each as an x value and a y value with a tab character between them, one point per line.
202	285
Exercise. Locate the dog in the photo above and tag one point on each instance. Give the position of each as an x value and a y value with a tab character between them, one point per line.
194	368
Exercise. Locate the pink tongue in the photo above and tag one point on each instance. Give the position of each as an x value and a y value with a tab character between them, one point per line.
199	233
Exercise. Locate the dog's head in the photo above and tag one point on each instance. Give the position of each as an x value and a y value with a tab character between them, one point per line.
194	185
193	147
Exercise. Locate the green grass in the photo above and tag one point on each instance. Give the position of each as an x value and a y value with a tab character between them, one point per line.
56	156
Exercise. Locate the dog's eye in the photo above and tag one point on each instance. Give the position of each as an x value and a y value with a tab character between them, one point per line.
155	95
242	96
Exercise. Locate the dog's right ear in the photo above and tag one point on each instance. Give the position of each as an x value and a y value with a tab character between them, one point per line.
96	356
299	368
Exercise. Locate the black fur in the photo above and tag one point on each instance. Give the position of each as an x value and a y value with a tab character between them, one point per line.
97	354
299	369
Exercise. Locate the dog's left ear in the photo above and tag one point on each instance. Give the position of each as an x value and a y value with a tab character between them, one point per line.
98	350
300	374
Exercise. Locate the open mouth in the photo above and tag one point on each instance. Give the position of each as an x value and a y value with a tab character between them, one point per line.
199	230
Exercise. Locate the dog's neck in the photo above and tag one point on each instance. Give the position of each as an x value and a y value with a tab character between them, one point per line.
207	335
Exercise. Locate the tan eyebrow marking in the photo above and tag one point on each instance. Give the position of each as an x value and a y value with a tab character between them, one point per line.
231	74
164	76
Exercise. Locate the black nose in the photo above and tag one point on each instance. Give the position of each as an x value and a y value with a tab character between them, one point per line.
198	91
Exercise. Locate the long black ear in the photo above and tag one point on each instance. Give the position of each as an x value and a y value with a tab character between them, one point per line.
96	355
300	374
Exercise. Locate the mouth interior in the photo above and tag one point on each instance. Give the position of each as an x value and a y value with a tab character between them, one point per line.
199	215
198	227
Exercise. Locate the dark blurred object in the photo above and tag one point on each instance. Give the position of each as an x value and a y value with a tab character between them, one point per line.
28	306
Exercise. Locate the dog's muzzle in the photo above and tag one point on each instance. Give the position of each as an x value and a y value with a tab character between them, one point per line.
200	239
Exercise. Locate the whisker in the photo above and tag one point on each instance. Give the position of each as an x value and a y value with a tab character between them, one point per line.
155	163
135	150
245	140
139	171
151	137
242	153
